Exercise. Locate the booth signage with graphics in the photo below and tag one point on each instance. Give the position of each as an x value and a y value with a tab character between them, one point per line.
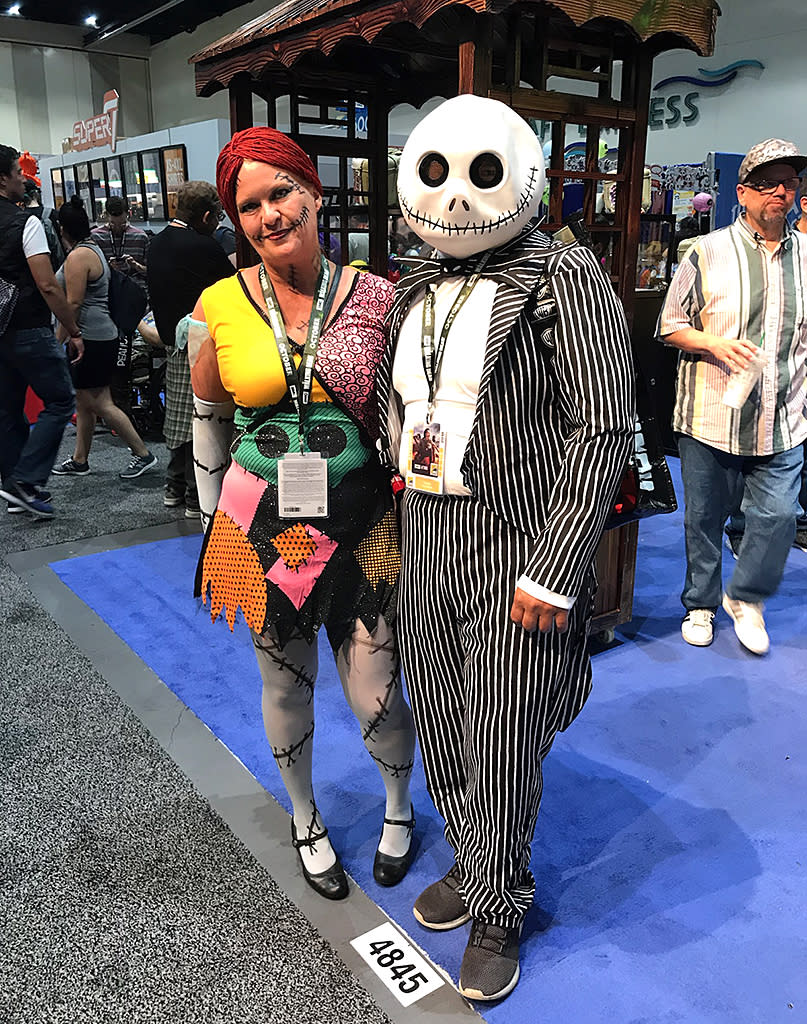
100	129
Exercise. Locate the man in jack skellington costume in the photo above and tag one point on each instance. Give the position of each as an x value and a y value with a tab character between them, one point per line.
514	351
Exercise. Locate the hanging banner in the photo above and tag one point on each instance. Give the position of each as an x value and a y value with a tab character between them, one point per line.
100	129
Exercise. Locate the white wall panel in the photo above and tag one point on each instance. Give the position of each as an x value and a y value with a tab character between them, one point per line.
68	93
9	119
173	93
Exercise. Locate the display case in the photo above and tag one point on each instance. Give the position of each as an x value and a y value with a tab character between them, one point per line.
656	252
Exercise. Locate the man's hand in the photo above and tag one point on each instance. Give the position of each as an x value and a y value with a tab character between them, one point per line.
734	352
529	613
75	348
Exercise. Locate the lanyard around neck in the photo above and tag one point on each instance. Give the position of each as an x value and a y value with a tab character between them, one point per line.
298	381
433	358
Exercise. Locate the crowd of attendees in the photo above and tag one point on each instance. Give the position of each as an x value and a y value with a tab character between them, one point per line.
62	271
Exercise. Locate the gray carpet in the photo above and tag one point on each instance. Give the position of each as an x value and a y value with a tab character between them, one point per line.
123	896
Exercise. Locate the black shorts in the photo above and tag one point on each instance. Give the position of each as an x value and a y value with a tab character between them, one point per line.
98	365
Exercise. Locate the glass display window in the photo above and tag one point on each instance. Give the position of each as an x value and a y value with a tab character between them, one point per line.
114	177
58	187
83	186
98	189
133	183
70	187
153	185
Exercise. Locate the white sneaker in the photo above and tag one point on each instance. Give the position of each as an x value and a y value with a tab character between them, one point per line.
697	627
749	625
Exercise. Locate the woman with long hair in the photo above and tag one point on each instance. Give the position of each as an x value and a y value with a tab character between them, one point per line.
85	278
301	529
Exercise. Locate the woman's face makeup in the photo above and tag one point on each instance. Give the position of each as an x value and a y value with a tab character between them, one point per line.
277	212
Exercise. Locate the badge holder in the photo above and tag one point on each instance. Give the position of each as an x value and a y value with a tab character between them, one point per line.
302	485
425	462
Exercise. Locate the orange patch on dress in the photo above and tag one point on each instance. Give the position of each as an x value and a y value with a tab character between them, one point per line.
232	571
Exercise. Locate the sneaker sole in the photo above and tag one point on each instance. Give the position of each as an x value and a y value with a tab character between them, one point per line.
172	502
24	507
134	476
481	997
58	471
193	513
442	926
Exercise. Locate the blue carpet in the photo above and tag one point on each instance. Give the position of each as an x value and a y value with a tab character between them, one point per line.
671	847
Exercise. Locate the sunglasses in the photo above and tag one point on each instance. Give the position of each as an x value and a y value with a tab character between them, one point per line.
768	185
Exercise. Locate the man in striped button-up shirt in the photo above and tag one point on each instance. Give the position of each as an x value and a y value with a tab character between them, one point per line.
739	290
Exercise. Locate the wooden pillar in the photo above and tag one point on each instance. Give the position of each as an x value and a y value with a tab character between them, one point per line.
378	113
476	59
240	103
240	118
629	198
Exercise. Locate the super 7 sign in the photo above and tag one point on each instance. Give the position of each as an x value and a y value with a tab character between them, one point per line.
100	129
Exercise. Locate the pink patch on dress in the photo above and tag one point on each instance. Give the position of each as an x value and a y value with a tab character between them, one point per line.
297	584
240	494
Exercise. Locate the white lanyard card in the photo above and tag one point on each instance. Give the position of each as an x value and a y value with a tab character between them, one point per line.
302	485
425	461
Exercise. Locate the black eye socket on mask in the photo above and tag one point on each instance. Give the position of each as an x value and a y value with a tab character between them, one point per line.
433	170
486	171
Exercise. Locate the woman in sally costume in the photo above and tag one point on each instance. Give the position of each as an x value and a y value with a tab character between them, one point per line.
300	527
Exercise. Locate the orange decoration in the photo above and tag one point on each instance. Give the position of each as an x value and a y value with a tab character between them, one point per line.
232	571
29	167
294	546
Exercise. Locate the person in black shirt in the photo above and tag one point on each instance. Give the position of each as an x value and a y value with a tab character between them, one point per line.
30	355
183	260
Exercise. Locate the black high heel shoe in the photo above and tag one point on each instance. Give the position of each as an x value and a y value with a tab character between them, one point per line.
332	883
387	870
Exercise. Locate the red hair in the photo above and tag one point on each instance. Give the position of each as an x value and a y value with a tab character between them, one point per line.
265	145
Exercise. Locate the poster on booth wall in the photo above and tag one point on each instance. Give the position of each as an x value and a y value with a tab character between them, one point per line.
174	166
682	203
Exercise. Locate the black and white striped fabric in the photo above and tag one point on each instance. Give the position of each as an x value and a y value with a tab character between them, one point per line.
488	698
551	437
555	413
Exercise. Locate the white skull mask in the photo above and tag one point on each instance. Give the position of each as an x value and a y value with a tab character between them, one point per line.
471	175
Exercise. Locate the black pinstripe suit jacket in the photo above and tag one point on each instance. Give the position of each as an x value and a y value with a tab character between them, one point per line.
555	414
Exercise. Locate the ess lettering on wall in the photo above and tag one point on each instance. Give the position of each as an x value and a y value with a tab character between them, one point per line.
100	129
680	108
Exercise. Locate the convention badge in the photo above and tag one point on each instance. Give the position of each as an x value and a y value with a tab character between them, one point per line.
302	485
425	461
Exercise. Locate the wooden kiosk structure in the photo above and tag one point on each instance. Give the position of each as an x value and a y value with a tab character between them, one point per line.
571	67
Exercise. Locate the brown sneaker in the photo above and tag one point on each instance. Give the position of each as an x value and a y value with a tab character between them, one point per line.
490	965
440	906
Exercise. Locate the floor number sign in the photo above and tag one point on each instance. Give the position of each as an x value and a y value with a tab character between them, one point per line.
402	969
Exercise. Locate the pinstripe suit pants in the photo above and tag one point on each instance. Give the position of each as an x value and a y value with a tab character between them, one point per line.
487	697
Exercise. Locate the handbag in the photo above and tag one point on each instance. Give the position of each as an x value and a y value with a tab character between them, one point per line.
8	302
127	302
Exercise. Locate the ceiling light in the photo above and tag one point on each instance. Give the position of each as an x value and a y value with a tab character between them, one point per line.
14	9
91	20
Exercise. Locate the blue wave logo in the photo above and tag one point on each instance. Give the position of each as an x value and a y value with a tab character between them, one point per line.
711	79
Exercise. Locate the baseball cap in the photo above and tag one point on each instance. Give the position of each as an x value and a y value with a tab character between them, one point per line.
771	151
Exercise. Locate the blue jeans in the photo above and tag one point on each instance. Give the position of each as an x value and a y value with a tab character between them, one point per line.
736	524
770	488
32	358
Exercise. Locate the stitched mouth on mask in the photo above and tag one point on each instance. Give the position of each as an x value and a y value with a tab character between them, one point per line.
473	227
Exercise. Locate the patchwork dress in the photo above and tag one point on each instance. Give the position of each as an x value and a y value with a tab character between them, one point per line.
292	576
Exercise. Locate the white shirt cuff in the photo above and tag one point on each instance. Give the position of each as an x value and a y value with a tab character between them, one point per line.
542	594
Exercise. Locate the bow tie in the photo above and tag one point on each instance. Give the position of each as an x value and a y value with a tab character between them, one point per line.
432	268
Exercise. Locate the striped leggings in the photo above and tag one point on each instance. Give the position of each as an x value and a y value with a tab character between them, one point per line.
487	697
